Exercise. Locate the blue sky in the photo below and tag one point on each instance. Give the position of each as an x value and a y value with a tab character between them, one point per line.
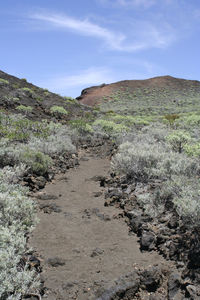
66	46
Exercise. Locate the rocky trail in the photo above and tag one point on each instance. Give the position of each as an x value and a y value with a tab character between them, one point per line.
82	245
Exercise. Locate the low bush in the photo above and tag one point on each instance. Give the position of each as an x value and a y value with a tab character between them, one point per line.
109	127
38	162
17	218
53	144
3	81
193	149
148	157
82	127
19	128
15	99
12	174
178	139
130	120
69	99
24	108
137	161
58	110
28	92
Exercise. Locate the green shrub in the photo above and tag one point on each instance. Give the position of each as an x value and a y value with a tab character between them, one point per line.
58	110
29	92
3	81
15	99
38	162
24	108
178	139
192	119
46	93
70	99
81	126
110	127
193	149
18	128
16	86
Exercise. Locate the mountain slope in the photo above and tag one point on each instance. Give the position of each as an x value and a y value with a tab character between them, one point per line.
163	94
18	94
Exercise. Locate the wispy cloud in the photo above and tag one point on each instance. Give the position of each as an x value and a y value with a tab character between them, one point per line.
136	3
145	36
83	27
144	3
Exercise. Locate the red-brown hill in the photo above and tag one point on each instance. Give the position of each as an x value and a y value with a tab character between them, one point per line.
164	91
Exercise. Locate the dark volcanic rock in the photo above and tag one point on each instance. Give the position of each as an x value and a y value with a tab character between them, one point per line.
194	255
124	288
151	279
147	241
97	194
55	261
50	207
173	222
174	284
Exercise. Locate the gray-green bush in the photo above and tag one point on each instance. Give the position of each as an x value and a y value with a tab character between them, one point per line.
149	157
17	218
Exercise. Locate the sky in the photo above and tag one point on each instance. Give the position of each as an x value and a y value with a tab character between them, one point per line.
67	46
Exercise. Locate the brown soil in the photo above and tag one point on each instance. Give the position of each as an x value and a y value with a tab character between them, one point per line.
81	244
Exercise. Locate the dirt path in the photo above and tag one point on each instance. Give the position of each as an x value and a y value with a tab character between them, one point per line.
81	245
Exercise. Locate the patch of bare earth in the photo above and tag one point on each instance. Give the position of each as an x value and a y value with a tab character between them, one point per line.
82	246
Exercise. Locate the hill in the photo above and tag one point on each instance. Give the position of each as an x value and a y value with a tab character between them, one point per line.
18	95
161	95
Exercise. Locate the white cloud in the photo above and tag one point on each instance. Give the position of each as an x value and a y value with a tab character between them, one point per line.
145	36
144	3
83	27
85	78
135	3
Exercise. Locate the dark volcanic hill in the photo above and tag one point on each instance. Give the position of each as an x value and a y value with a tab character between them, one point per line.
163	94
15	93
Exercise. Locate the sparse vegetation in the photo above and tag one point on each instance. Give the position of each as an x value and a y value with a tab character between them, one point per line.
147	158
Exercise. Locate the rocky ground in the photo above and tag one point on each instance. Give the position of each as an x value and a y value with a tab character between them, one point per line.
86	250
166	233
